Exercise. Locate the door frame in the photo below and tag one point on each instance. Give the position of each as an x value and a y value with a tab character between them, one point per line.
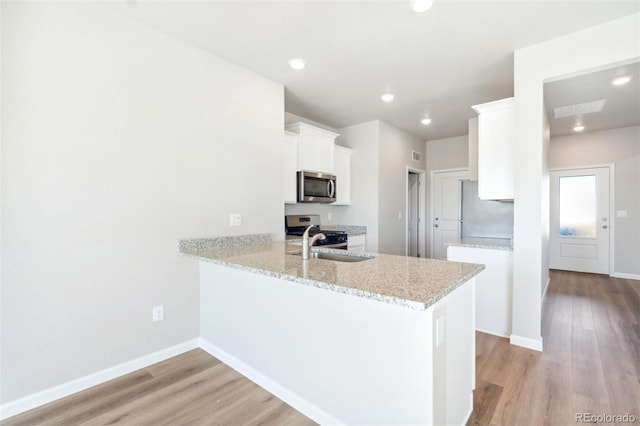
432	174
612	198
421	211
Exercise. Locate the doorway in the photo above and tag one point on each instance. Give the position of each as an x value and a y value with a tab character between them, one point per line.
580	225
445	209
415	231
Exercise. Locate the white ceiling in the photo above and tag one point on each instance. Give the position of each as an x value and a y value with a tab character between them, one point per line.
439	63
621	109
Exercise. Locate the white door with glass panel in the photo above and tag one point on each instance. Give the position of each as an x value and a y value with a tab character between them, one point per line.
579	225
446	210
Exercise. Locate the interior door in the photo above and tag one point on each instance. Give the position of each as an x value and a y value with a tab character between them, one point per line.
579	225
446	210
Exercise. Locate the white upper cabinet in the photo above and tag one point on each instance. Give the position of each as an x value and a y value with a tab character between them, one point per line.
342	163
315	147
290	150
496	134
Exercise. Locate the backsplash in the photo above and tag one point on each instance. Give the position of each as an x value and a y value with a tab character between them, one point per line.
484	218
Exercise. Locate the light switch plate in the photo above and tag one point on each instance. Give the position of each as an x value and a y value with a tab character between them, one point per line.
621	213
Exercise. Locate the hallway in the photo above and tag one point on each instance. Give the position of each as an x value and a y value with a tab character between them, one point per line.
590	363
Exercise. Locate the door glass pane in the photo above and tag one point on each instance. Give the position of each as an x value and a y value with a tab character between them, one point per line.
577	207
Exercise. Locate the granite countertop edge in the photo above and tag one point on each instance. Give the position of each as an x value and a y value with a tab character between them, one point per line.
192	252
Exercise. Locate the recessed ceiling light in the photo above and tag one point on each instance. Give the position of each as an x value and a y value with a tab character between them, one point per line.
421	6
297	63
619	81
426	121
578	128
387	97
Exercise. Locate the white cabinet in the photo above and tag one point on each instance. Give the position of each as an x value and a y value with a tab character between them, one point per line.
290	152
496	134
494	287
342	170
315	147
357	243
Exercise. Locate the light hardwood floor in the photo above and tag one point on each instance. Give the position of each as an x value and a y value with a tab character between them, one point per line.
591	364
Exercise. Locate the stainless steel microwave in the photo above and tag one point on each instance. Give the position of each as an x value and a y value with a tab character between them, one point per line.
316	187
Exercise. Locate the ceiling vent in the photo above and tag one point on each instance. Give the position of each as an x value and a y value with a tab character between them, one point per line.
579	109
415	155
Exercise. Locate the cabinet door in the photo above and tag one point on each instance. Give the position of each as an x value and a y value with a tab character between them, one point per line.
342	169
308	152
325	153
496	133
357	243
290	150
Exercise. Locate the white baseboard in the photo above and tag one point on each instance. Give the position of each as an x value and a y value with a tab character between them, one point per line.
526	342
302	405
626	276
46	396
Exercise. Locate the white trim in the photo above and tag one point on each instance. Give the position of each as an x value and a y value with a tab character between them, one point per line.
46	396
626	276
422	232
525	342
296	401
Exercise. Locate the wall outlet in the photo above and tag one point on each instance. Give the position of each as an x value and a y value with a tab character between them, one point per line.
399	215
235	219
621	213
329	216
157	313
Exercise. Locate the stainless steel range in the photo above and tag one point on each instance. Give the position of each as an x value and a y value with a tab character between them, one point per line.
295	225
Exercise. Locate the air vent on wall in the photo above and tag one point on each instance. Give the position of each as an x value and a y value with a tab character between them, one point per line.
579	109
415	155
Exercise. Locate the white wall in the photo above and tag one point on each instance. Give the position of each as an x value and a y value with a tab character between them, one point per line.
442	154
620	147
609	43
117	141
363	139
395	156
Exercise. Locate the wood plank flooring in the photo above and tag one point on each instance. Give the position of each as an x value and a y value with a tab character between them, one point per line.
590	363
191	389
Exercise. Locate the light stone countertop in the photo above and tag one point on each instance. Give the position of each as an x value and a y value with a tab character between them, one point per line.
484	243
416	283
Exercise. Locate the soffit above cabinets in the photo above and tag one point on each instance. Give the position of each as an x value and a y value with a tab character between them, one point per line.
593	101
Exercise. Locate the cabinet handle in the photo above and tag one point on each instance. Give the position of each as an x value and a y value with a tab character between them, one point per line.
604	226
436	225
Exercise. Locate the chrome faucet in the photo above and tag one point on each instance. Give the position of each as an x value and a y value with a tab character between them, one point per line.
306	244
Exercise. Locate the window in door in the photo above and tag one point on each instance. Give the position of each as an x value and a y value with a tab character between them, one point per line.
577	206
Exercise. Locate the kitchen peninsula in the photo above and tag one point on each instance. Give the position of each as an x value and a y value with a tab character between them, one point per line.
387	340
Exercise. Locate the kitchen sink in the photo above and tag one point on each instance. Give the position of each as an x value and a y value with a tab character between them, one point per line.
338	257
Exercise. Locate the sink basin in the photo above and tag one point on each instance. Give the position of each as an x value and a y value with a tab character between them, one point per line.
338	257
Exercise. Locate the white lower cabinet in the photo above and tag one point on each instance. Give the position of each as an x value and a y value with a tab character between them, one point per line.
494	287
357	243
